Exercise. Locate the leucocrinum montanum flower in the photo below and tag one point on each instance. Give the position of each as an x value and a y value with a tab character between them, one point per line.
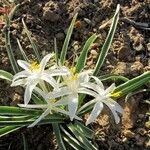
101	96
35	73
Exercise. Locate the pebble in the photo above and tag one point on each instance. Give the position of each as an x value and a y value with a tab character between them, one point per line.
142	131
129	133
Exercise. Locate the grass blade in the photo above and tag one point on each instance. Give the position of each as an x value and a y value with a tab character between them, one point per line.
84	130
108	41
133	84
22	51
9	110
58	135
8	129
6	75
56	51
67	39
72	141
82	59
28	122
80	136
31	41
113	77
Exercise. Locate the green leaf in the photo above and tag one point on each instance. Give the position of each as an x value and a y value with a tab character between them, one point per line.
67	39
9	110
71	140
9	47
58	135
56	51
113	77
6	75
25	145
84	130
82	58
22	51
81	137
107	42
8	129
28	122
133	84
31	41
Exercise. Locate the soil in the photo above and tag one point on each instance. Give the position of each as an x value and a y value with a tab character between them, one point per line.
128	56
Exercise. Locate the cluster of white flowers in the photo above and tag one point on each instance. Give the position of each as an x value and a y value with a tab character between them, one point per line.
65	85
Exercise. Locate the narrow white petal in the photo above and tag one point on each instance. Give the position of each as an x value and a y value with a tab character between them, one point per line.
86	105
28	91
32	106
21	74
63	101
95	112
46	112
72	105
56	94
57	72
19	82
110	89
50	80
116	106
98	81
44	61
40	92
87	91
113	109
93	86
23	64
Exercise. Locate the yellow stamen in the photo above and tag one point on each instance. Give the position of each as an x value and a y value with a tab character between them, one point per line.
74	75
116	94
34	66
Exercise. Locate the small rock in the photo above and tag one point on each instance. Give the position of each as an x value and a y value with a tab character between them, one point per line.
121	69
142	131
93	52
129	133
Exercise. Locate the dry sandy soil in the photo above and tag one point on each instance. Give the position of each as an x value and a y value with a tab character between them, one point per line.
128	56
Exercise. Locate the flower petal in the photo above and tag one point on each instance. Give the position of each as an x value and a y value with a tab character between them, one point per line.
32	106
28	91
63	101
110	89
46	112
40	92
87	91
93	87
44	61
23	64
56	94
114	107
86	105
50	80
72	105
95	112
19	82
98	82
21	74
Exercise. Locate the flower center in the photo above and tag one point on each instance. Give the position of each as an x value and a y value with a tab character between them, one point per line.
115	94
34	66
73	75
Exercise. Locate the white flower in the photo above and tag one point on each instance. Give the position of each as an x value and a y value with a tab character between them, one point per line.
101	96
52	105
35	73
71	88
